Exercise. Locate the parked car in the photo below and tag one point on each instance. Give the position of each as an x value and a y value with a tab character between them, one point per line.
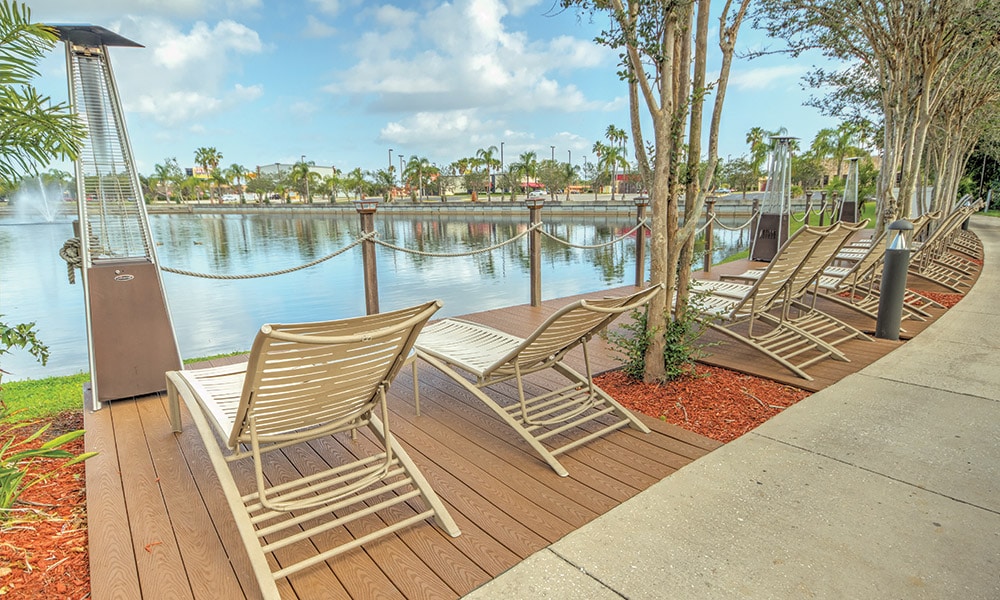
538	194
230	197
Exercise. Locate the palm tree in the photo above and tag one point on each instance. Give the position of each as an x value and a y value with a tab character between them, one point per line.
355	181
208	159
617	138
235	175
487	158
568	173
301	175
837	144
528	165
167	174
34	131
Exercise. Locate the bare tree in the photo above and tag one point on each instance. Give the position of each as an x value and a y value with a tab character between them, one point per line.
665	69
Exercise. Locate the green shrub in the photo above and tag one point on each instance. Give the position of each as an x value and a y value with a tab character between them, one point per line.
680	351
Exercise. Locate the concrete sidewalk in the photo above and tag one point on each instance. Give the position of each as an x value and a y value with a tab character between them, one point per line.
885	485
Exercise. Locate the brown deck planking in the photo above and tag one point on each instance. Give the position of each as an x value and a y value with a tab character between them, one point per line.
158	520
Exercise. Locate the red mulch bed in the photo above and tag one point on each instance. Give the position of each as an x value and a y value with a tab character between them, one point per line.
43	546
945	299
714	402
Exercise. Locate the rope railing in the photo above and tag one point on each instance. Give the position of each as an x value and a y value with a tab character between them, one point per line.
271	273
715	217
623	236
458	254
72	254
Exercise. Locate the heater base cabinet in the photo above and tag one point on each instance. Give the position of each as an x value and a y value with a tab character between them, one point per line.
133	340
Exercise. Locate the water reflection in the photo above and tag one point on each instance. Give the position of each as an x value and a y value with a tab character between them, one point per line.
212	315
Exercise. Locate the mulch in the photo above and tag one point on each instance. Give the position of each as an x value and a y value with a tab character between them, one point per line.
43	543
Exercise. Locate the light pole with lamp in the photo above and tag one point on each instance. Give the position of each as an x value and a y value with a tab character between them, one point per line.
306	176
389	193
553	153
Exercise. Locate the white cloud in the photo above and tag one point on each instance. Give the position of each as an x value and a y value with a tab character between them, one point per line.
763	78
183	76
470	59
328	7
317	29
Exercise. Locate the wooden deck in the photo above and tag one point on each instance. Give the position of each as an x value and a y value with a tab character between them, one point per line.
159	525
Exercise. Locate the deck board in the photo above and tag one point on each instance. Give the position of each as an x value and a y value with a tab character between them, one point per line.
158	519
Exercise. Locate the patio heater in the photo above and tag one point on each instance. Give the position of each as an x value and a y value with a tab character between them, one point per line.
773	226
130	337
849	206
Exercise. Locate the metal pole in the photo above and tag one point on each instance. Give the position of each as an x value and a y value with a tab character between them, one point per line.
640	242
535	251
893	286
709	233
366	210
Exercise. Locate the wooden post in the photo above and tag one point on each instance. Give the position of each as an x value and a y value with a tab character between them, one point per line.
822	207
836	211
366	209
535	250
709	233
641	202
809	207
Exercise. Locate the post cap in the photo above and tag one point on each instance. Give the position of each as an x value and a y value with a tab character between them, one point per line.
900	225
367	205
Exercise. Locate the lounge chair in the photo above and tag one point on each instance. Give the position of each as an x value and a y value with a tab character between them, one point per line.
462	349
763	306
305	383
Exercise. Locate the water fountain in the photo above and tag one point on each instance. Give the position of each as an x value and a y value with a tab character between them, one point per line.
36	202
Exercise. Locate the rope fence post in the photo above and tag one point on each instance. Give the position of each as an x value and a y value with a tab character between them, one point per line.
709	233
809	206
822	207
535	249
366	209
641	202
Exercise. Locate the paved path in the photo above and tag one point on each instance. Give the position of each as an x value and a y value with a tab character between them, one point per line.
884	485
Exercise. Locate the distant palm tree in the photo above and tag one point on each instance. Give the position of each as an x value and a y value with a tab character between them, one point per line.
235	175
355	181
837	144
616	138
208	159
488	159
528	162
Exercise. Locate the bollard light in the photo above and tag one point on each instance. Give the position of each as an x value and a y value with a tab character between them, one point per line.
367	205
892	290
641	200
901	232
534	202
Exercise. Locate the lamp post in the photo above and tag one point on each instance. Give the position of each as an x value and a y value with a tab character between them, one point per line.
400	170
553	153
569	156
389	193
306	176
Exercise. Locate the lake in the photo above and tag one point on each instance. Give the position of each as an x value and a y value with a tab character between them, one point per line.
212	316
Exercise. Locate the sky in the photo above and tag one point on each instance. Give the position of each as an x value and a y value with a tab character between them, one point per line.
349	83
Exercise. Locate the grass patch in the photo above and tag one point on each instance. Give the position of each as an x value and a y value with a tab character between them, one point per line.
34	399
44	398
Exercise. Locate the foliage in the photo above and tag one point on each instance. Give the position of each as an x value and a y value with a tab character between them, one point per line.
42	398
22	335
679	352
34	131
17	457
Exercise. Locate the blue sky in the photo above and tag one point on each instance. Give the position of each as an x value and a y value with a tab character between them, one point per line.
343	81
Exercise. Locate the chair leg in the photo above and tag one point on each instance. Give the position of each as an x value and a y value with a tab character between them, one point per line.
441	514
537	446
173	402
619	410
